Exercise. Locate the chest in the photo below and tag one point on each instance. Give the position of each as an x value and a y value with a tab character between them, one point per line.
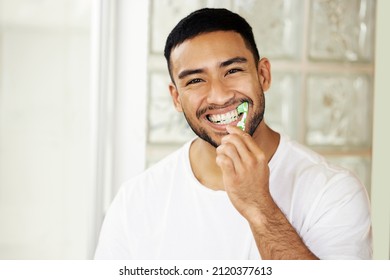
197	226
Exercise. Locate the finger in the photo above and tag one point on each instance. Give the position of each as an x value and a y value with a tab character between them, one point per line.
235	141
234	130
250	145
225	163
251	155
245	144
228	149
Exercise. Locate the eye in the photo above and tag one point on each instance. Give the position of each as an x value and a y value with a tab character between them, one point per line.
194	81
232	71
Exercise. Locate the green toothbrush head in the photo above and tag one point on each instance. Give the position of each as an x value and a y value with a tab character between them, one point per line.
242	109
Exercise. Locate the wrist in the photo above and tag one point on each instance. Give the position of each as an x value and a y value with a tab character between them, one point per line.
260	215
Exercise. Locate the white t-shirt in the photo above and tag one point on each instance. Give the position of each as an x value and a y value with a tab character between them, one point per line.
165	213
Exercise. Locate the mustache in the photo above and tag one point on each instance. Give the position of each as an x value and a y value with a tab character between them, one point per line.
230	102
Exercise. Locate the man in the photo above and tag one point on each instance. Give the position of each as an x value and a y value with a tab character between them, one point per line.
233	194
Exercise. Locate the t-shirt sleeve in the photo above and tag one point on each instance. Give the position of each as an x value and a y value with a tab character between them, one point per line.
339	223
112	243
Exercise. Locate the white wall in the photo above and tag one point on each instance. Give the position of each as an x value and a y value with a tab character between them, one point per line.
46	144
72	120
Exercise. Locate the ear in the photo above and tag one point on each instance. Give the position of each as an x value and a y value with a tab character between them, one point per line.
175	97
264	72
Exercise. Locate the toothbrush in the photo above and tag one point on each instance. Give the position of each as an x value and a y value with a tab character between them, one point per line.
242	108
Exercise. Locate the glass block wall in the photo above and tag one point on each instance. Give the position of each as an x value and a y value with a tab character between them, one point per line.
321	54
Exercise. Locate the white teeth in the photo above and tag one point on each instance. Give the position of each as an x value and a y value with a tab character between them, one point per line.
224	118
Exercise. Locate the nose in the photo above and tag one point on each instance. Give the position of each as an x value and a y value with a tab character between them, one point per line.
219	93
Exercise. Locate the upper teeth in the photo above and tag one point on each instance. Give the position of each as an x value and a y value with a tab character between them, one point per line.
224	118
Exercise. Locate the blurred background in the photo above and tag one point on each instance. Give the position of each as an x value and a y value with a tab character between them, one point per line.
84	104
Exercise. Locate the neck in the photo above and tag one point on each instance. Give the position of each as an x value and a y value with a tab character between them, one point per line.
202	156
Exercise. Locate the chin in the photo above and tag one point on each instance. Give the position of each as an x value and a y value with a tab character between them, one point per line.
214	140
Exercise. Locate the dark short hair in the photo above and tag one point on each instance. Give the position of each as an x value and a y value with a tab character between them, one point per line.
208	20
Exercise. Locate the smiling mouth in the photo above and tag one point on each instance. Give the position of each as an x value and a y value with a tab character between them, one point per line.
226	118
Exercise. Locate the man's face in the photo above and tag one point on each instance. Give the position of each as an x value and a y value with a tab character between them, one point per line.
213	74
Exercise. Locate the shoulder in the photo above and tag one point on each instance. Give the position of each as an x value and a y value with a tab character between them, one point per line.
328	205
311	164
313	181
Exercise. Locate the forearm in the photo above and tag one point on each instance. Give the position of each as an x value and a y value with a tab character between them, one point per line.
245	171
275	237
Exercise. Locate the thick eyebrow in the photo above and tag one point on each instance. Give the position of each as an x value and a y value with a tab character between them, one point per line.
232	61
189	72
